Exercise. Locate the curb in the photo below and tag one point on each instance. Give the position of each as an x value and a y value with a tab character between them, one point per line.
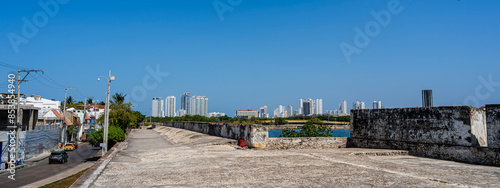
87	179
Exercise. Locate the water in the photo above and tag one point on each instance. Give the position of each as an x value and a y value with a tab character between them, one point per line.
334	132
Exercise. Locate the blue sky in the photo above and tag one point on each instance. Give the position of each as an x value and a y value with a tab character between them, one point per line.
262	52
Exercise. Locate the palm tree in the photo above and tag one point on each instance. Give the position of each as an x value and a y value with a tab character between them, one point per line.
69	100
118	99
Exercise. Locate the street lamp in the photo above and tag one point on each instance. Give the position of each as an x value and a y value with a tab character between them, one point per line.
106	114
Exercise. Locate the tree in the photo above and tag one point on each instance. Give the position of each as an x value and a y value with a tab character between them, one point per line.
280	121
90	101
313	128
118	99
121	114
69	100
115	135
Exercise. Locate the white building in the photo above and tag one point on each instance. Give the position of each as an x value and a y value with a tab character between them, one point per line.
280	112
319	106
301	106
170	106
343	107
181	113
377	104
199	106
263	112
290	111
310	107
45	105
358	105
216	114
157	108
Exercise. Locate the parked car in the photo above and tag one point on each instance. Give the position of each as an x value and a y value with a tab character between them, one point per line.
69	147
75	144
58	156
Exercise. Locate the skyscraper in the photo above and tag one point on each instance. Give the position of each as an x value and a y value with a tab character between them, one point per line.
377	104
280	112
301	107
290	110
427	98
307	107
343	107
263	112
319	106
358	105
157	107
199	105
186	102
170	106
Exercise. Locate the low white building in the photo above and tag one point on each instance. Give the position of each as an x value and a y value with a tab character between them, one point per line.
216	114
45	105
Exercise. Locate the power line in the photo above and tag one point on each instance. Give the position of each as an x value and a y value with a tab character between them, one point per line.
11	66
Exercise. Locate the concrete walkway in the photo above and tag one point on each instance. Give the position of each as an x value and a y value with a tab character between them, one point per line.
170	157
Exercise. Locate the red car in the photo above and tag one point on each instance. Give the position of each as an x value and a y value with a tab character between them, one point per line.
75	144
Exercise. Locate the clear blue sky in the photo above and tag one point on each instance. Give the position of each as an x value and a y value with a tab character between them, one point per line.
262	52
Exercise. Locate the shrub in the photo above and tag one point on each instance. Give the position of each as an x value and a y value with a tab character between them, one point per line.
115	134
313	128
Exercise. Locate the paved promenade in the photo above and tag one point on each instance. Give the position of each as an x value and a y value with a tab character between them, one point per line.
170	157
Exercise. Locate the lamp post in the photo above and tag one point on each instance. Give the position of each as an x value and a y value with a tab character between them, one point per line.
106	114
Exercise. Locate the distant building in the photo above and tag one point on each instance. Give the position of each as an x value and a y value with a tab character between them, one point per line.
290	111
199	106
343	107
157	108
170	106
310	107
295	112
247	114
186	102
263	112
319	107
377	104
180	113
358	105
280	112
301	106
427	98
216	114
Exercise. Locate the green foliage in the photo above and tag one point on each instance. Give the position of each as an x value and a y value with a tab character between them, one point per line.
121	113
115	134
280	121
313	128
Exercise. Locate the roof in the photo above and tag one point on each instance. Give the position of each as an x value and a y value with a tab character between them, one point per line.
246	111
56	113
68	122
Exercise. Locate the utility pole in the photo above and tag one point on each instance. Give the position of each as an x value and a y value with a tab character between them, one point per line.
106	113
19	123
64	116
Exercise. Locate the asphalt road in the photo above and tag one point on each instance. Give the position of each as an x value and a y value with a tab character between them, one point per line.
41	170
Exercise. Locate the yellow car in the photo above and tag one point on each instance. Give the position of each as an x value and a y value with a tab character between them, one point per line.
69	146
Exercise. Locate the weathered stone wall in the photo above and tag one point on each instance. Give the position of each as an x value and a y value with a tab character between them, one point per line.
459	133
256	135
306	143
439	125
493	124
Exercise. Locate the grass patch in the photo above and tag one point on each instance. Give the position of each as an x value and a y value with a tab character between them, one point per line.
66	182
